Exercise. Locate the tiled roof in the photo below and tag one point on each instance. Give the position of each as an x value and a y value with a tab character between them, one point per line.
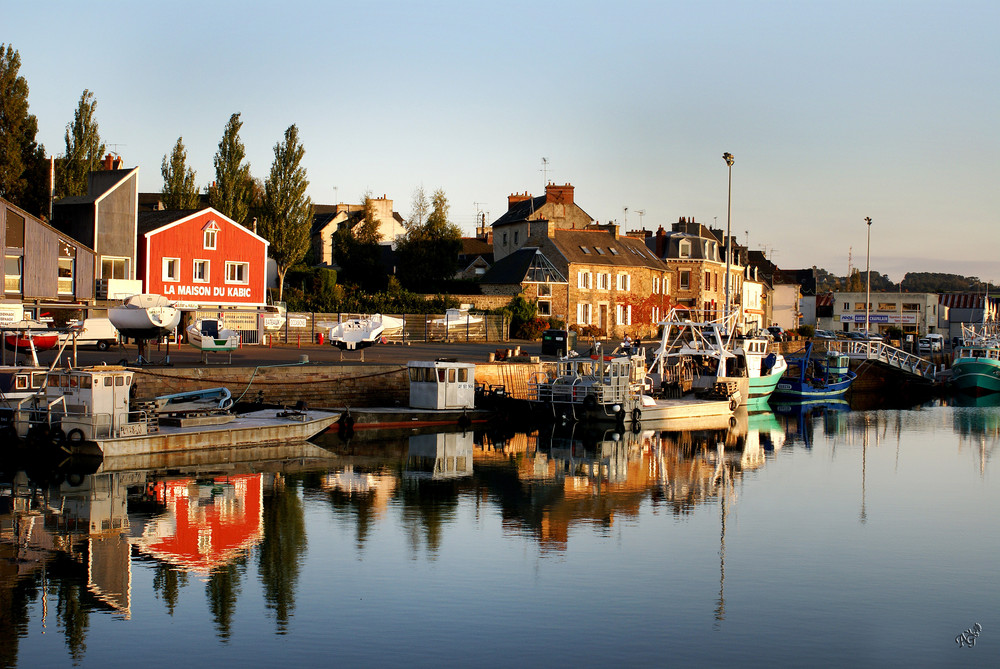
153	220
521	210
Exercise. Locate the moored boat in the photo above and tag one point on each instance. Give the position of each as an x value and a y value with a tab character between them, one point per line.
810	379
28	334
145	316
209	334
90	410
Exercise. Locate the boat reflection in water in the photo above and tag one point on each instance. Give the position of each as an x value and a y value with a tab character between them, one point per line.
800	418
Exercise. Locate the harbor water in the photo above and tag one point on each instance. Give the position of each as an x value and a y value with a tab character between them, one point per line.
826	536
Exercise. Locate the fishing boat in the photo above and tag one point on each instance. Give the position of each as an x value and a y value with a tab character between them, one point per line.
975	367
810	379
145	316
28	334
357	333
20	382
90	410
618	388
711	352
209	334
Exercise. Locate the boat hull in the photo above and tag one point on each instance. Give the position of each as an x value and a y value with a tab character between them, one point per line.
256	428
976	375
357	333
145	317
795	390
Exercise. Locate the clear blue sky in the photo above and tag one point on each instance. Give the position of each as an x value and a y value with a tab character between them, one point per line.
834	111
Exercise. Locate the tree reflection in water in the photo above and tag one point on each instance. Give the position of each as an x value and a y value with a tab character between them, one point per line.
281	550
223	589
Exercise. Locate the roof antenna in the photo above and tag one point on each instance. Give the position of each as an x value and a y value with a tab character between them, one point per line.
545	171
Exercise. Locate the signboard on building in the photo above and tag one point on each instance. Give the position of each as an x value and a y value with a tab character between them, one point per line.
907	319
11	313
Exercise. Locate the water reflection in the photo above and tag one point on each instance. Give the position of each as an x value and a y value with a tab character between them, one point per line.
75	544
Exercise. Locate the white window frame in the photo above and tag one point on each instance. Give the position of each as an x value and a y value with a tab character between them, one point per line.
169	276
12	282
210	239
65	284
583	280
194	271
656	285
231	266
115	261
583	313
625	282
684	249
544	308
603	281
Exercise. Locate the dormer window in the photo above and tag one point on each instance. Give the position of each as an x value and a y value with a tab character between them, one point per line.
211	233
684	249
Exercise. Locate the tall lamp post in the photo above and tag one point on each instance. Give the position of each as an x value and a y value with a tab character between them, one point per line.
868	272
728	157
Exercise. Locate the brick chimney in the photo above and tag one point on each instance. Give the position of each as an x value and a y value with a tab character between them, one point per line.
559	194
113	162
661	242
515	198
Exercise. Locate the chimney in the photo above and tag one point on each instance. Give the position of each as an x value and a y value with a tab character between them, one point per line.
109	161
559	194
515	198
661	242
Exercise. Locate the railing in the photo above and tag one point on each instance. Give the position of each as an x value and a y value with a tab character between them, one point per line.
890	355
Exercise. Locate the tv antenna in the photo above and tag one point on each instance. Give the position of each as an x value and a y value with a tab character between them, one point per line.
641	212
545	170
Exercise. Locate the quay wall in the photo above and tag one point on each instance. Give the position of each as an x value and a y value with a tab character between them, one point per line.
340	385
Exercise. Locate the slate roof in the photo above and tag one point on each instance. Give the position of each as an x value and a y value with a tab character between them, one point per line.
526	264
599	247
153	220
521	211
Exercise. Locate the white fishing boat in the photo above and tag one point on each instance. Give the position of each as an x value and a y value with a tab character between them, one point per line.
145	316
209	334
704	354
618	388
357	333
89	410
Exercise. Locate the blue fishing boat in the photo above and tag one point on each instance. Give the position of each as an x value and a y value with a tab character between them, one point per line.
808	379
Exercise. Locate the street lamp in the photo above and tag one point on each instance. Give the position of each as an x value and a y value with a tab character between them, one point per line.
728	157
868	271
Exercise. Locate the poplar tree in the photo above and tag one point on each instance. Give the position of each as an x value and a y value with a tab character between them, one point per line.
232	192
84	149
23	179
287	211
179	188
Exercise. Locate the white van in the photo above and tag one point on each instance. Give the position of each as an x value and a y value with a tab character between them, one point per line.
97	332
936	341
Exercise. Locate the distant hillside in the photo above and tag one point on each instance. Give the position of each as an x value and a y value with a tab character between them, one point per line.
913	282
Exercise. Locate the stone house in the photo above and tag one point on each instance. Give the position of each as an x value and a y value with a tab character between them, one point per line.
327	219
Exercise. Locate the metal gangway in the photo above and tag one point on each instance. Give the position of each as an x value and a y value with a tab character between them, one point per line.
894	357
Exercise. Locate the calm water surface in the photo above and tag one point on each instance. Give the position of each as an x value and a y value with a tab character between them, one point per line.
827	537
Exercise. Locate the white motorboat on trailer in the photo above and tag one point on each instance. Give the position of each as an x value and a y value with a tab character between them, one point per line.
209	334
357	333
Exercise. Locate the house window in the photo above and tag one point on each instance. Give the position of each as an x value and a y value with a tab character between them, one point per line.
603	281
238	272
15	230
613	250
859	306
655	314
12	266
583	280
599	250
623	314
515	237
544	308
544	290
585	250
656	284
201	271
114	268
171	269
505	239
65	285
684	250
685	279
847	306
583	314
211	234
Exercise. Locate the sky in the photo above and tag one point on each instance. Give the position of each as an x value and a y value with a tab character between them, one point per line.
834	111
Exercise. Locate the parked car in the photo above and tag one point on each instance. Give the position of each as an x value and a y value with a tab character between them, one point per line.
97	332
824	334
923	346
936	342
777	333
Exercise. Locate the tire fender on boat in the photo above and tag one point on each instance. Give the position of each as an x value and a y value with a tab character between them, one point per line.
636	415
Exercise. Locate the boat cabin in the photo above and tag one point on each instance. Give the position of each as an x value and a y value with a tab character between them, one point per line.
442	384
17	383
94	402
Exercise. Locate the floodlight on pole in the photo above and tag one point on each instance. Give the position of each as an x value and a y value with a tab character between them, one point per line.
728	157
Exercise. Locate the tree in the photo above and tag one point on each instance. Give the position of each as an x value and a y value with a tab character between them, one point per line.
419	209
179	188
428	253
357	249
232	192
23	178
287	212
84	149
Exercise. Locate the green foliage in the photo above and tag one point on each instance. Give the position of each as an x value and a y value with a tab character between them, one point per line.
428	252
232	192
179	188
286	210
358	253
894	332
315	289
84	149
806	330
524	321
938	282
23	175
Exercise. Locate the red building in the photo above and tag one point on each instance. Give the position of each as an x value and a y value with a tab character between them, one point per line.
201	258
